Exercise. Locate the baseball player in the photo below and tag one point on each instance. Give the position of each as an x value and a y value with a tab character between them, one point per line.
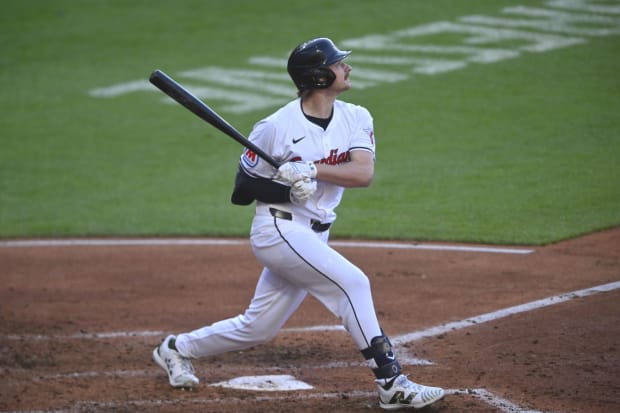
325	145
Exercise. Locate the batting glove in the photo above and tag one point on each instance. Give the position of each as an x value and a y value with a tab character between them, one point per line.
302	190
292	172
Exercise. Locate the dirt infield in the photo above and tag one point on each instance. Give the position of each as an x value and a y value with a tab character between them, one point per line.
503	332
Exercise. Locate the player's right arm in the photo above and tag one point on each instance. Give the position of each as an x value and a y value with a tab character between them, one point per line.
356	173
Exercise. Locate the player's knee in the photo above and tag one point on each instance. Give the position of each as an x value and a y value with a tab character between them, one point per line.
256	331
263	334
358	282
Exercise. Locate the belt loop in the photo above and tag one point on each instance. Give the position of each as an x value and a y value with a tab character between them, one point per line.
281	214
318	227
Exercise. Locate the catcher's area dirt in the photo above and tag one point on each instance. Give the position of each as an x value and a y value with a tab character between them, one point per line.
564	357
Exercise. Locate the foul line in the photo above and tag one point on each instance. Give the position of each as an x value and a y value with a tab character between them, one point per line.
495	315
79	242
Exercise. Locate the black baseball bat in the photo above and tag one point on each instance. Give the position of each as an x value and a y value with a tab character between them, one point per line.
177	92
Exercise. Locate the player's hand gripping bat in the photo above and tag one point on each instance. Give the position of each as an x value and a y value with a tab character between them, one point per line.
177	92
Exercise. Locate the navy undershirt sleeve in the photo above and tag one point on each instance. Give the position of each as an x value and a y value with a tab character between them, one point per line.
247	189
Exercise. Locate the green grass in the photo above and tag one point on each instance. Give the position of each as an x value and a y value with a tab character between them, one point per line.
521	151
511	152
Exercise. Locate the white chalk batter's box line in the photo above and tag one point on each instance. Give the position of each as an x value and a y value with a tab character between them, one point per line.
79	242
482	394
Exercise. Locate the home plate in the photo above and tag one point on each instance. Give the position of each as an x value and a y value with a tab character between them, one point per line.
265	383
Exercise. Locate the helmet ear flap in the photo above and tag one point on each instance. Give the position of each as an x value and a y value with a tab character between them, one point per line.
316	78
322	77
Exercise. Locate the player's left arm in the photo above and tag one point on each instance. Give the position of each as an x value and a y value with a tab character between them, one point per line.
247	189
357	172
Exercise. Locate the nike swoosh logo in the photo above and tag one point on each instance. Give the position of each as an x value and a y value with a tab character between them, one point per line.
298	140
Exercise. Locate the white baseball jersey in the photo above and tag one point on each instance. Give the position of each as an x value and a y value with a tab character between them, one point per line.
288	136
297	259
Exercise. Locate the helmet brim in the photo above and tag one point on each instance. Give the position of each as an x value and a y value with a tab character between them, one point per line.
337	57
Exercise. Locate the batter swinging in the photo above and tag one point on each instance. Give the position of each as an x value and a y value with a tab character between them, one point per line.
326	145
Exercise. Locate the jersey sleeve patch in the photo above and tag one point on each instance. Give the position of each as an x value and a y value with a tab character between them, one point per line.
371	134
249	158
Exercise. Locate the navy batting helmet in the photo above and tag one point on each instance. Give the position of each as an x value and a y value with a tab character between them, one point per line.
308	64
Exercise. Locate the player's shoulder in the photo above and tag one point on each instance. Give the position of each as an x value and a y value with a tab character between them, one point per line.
352	110
291	108
280	117
344	105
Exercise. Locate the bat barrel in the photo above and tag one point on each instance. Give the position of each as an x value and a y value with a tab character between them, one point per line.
181	95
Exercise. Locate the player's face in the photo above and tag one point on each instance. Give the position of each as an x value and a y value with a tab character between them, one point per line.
342	71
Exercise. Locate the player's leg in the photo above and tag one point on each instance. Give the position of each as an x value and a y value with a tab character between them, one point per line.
345	290
275	299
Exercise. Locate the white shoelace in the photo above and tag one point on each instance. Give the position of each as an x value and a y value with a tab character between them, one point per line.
404	382
183	363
